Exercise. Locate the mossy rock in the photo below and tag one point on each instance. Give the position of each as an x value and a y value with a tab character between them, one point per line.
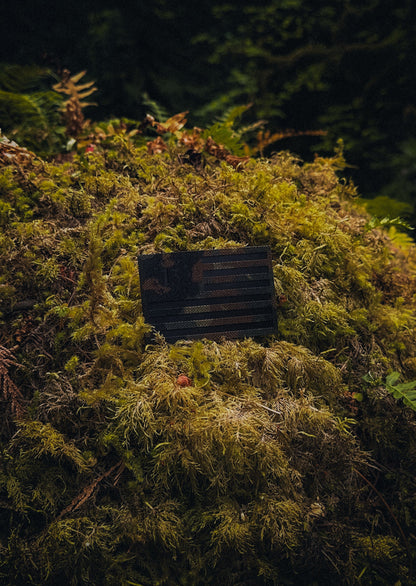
285	461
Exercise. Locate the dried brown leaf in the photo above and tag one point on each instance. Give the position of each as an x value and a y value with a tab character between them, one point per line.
156	146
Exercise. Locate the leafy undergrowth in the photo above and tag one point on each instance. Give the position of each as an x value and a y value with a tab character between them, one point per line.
286	461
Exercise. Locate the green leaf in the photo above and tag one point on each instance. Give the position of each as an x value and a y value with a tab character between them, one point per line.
392	378
404	391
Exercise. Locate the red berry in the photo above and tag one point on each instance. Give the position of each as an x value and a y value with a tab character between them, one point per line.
183	381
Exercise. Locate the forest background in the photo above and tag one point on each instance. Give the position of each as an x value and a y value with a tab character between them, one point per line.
343	67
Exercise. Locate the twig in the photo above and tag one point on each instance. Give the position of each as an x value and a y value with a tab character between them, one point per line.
81	498
268	409
251	400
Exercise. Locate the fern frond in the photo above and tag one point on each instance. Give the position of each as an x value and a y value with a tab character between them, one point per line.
73	106
68	84
22	78
232	114
31	118
155	109
404	391
29	109
224	135
386	222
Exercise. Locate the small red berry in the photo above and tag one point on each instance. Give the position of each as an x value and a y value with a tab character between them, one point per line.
183	381
90	148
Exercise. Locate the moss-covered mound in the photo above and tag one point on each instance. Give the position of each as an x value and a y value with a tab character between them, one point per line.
287	460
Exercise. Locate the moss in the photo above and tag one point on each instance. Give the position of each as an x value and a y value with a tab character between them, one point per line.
261	471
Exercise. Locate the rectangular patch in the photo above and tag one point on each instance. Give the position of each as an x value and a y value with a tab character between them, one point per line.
210	293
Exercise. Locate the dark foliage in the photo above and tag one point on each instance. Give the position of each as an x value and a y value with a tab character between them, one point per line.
343	67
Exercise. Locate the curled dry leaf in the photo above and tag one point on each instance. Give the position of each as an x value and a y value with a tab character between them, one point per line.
156	146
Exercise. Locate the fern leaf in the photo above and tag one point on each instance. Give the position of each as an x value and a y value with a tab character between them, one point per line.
229	117
404	391
75	78
87	93
22	78
29	115
392	379
156	109
84	86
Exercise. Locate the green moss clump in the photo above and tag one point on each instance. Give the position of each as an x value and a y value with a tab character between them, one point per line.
286	461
